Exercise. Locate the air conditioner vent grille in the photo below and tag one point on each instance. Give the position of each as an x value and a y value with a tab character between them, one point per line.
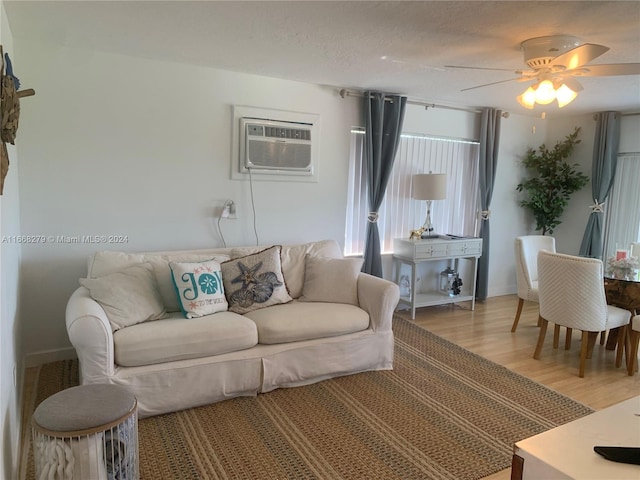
293	133
277	146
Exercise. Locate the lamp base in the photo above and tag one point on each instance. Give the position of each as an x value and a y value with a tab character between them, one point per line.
429	235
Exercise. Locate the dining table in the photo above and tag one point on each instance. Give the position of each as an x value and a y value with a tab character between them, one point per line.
622	289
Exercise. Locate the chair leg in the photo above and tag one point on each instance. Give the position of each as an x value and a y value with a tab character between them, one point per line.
592	336
518	312
603	336
541	335
622	336
583	353
567	339
632	358
556	335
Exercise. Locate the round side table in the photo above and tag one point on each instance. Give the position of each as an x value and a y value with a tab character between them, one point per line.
87	432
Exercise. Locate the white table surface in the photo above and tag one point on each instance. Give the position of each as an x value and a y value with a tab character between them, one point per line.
567	451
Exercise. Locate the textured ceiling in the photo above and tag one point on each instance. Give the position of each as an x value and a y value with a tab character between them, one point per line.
396	46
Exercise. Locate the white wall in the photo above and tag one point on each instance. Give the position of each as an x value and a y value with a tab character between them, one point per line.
124	146
508	219
118	145
574	220
630	134
11	353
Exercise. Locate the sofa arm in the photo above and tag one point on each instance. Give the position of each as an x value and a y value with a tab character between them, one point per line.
379	298
90	333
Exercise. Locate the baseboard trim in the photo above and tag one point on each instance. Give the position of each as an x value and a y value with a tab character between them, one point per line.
48	356
501	291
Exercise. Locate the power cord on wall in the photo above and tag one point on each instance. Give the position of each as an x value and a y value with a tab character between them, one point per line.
253	207
224	243
228	211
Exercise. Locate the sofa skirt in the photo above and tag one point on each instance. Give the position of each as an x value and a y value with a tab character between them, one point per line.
168	387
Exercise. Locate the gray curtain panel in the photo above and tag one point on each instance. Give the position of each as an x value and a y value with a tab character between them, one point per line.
603	172
383	124
489	143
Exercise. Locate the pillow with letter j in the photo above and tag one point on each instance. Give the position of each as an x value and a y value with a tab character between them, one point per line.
199	287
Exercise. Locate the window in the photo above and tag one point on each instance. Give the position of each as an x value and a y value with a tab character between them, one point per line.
622	222
399	213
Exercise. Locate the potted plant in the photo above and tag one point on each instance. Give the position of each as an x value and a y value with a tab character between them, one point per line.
551	182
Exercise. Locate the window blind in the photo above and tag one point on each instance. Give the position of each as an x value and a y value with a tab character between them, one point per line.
399	213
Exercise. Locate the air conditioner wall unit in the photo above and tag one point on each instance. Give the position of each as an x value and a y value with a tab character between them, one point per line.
277	147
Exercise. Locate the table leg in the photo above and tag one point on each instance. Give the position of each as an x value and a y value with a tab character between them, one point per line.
473	288
413	291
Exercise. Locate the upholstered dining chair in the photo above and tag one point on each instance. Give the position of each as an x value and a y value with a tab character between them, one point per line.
526	250
571	294
632	356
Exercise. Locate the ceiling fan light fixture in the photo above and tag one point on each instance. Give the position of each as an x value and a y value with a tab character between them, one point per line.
545	93
565	95
528	98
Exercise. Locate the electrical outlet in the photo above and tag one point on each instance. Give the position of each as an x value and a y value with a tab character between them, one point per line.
229	210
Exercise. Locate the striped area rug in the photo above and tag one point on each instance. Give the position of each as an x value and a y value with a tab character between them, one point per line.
442	413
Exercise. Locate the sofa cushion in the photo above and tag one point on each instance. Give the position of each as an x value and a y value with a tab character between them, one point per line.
299	321
331	280
199	287
127	297
105	262
162	270
175	338
255	281
293	259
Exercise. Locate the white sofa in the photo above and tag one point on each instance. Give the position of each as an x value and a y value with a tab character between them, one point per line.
173	363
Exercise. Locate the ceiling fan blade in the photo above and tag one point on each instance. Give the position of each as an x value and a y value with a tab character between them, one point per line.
572	83
607	70
400	61
492	83
482	68
576	57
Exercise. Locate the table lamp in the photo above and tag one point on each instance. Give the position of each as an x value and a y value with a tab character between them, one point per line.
429	187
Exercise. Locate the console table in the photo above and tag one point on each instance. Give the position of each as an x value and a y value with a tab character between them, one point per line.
450	249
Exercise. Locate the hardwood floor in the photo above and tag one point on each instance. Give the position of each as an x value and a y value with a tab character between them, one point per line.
487	332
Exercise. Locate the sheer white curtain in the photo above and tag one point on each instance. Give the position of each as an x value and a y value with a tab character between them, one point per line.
623	206
399	213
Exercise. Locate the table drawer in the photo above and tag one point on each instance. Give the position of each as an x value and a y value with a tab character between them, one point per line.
465	248
437	248
430	251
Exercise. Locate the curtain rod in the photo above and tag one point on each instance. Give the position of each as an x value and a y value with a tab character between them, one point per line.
350	93
595	115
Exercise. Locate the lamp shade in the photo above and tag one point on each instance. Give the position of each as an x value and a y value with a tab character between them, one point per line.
429	186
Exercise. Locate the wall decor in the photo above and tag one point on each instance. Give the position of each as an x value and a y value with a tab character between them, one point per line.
9	111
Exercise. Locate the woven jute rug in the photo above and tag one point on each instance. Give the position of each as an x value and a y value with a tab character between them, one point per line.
442	413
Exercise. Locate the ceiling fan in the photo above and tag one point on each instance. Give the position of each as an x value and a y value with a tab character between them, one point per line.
554	62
